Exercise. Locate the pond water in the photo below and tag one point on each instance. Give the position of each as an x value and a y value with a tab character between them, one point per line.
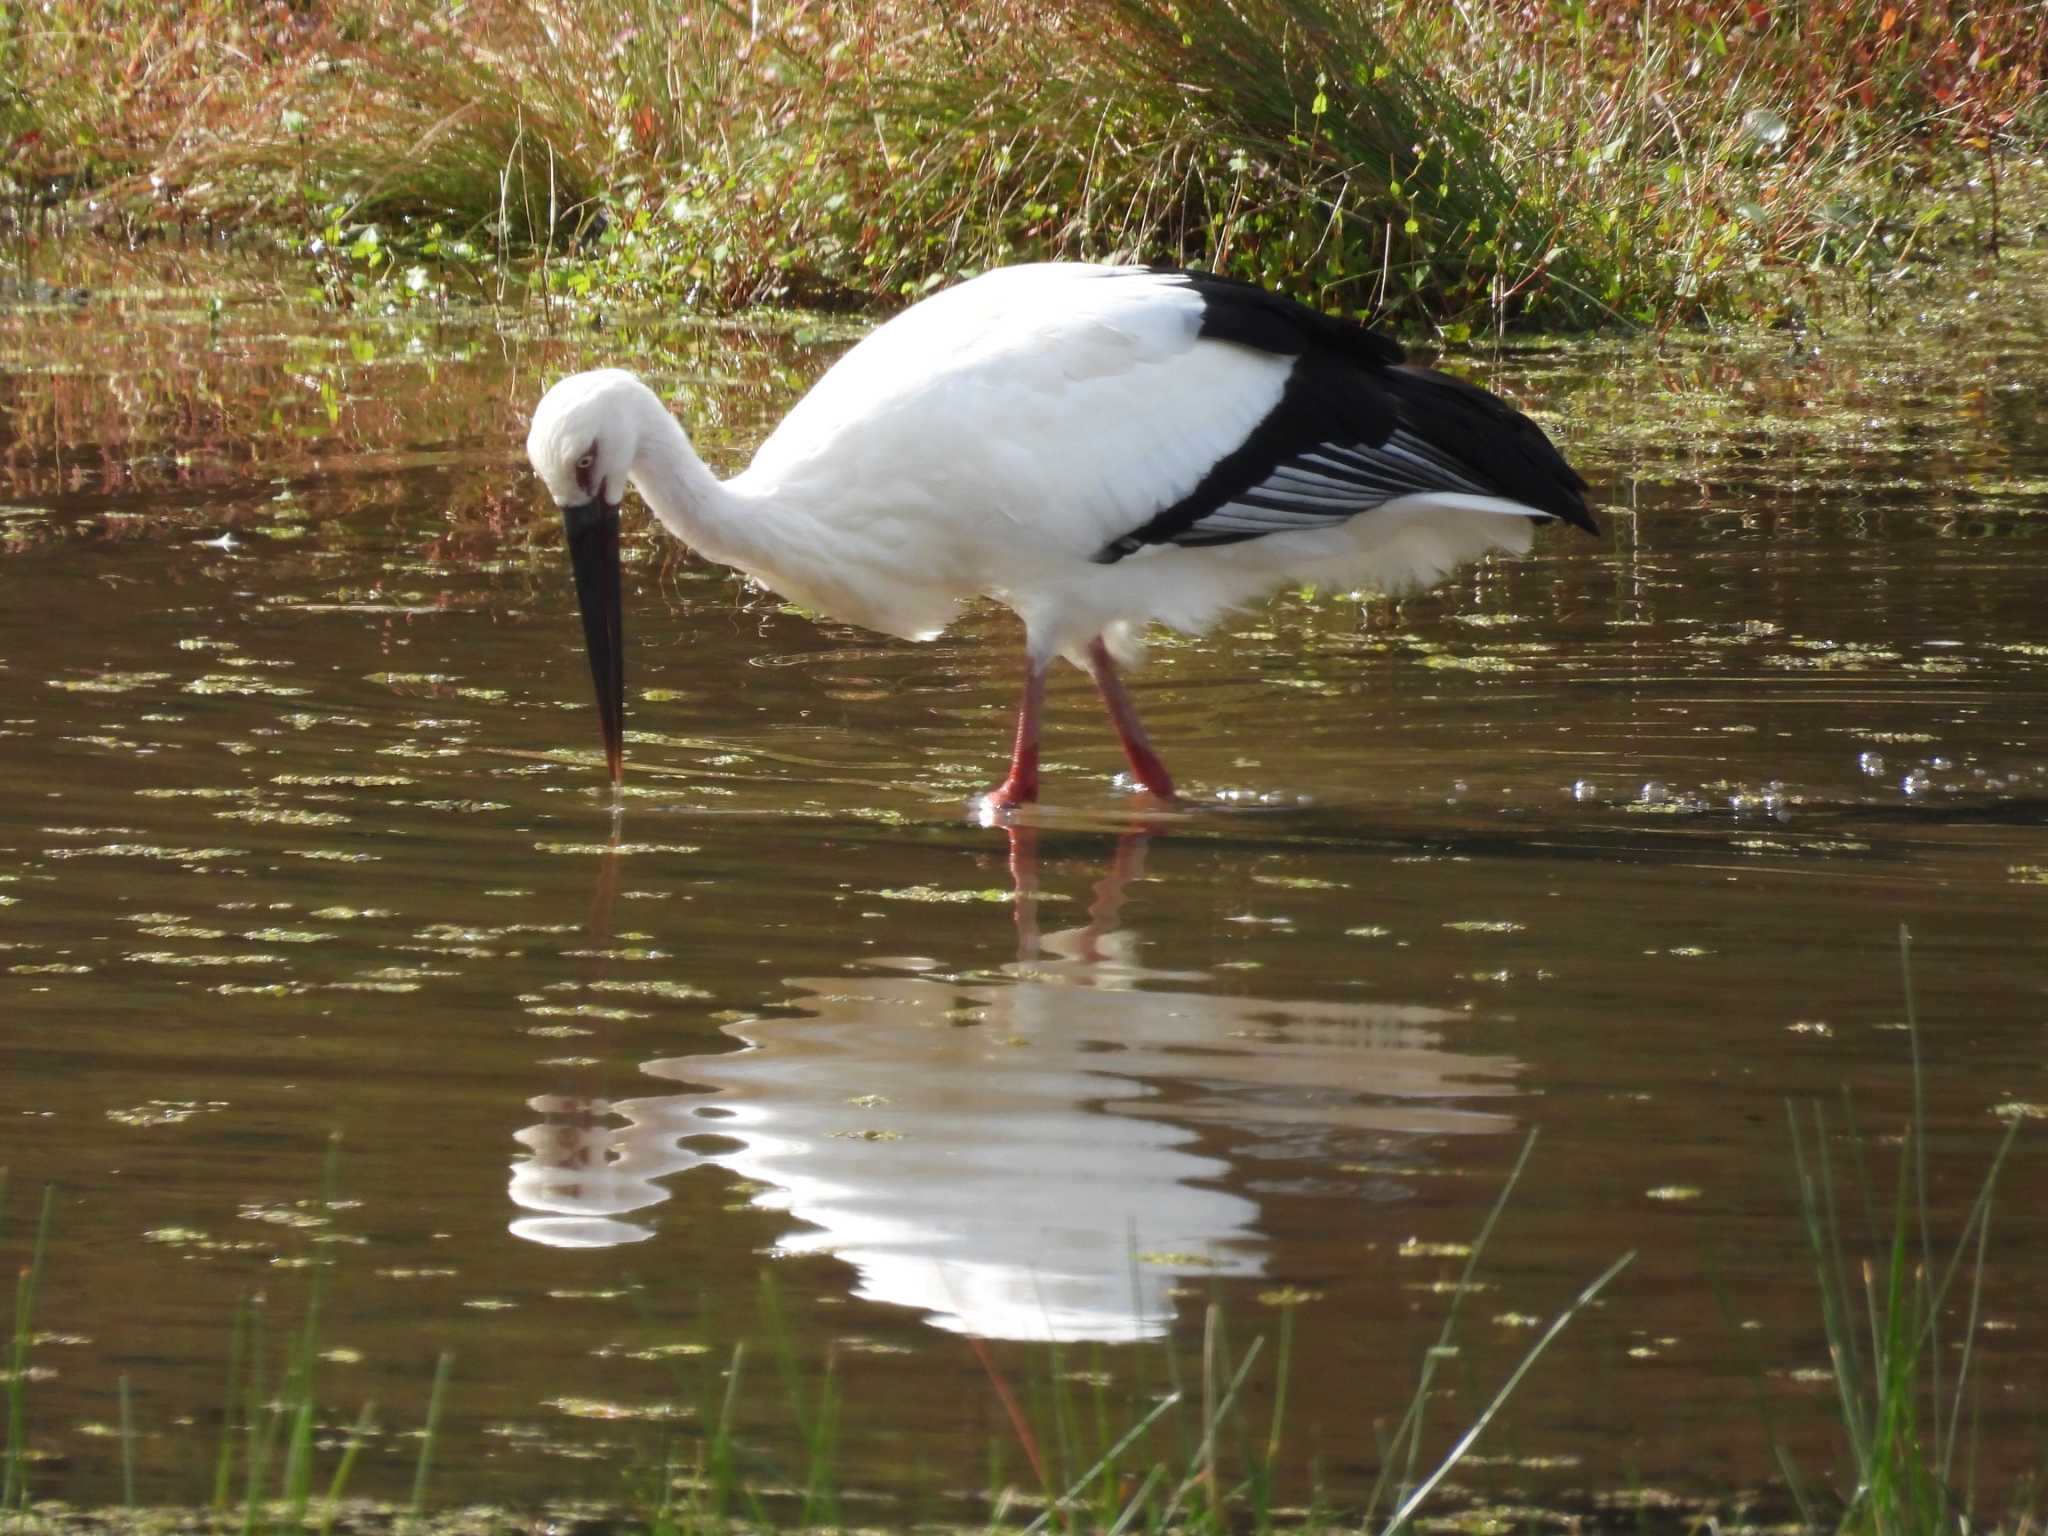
303	834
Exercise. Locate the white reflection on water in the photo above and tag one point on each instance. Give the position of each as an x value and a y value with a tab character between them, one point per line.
1028	1154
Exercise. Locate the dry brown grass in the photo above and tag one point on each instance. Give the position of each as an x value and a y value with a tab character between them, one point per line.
1473	166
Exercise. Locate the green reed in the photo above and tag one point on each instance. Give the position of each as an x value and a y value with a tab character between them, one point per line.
430	1434
817	1420
1883	1317
360	1431
127	1446
14	1488
1198	1457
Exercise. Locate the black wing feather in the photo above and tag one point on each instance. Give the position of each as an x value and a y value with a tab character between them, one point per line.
1355	426
1235	310
1483	432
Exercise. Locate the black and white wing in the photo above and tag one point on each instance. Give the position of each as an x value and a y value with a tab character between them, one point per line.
1354	429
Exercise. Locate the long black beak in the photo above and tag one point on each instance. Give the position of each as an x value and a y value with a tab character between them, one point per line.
593	530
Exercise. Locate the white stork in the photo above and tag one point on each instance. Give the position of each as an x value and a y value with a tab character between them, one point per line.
1100	448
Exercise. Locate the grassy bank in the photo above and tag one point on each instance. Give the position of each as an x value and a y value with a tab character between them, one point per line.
1474	167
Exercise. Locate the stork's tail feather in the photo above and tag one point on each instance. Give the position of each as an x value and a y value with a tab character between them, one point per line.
1501	447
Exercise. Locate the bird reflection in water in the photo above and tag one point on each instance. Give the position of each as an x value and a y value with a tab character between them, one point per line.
1028	1153
584	1171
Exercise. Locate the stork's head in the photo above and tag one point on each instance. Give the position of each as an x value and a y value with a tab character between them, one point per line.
585	435
583	441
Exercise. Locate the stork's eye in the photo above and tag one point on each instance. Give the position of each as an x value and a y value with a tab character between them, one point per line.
587	460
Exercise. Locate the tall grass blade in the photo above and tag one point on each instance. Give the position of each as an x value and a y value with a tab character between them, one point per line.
1282	1371
1212	1322
1980	1216
425	1464
1824	1239
259	1421
1203	1472
127	1445
1753	1368
821	1488
1154	1475
782	1342
1903	1485
1108	1459
224	1459
1405	1442
1020	1423
724	1472
1919	1146
14	1488
358	1433
1471	1436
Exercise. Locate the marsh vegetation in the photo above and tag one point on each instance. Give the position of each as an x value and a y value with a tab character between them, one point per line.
1456	169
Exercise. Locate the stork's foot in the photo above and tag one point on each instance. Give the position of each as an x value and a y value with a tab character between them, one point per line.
1013	791
1020	788
1154	782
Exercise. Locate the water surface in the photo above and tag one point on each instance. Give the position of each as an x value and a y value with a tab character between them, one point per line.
302	832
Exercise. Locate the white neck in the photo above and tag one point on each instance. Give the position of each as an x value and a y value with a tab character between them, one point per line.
776	534
691	502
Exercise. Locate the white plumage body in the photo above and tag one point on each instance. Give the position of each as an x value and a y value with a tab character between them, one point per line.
988	441
1099	448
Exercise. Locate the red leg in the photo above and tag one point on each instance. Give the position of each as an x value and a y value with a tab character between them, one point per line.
1145	763
1021	787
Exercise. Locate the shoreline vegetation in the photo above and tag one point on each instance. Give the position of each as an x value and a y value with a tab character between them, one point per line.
1443	170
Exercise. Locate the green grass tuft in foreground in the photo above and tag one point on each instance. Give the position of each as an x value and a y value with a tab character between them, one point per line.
1903	1422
